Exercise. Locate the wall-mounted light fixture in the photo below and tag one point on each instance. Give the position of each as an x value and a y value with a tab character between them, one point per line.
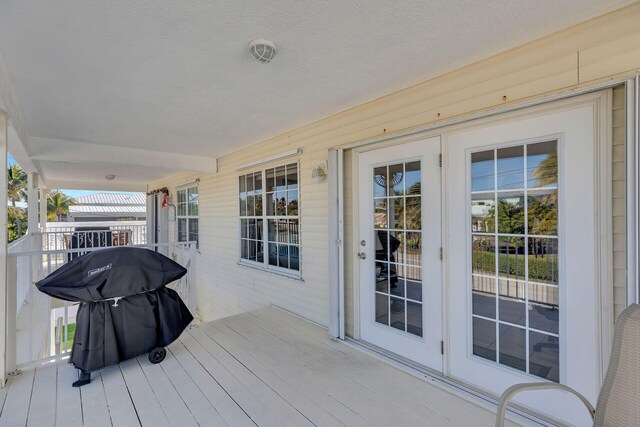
319	173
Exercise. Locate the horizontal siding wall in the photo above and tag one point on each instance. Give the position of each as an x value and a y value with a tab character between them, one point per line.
593	51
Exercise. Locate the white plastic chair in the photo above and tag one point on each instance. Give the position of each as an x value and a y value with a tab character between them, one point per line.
619	400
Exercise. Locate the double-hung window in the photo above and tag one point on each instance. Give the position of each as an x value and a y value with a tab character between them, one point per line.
187	214
269	218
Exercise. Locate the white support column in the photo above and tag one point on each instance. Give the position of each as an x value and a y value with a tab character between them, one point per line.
32	203
43	208
5	301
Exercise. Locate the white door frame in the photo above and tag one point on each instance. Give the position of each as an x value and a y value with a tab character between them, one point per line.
426	349
602	322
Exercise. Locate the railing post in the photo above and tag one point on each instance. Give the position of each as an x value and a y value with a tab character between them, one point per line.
192	278
6	348
11	314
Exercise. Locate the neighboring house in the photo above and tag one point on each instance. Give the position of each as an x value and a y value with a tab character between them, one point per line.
534	148
108	207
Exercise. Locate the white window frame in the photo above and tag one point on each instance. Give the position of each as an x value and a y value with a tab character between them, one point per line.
264	265
187	216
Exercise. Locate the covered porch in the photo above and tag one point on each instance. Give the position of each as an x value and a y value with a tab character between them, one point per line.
503	159
265	368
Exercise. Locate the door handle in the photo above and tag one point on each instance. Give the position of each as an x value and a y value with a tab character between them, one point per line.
362	255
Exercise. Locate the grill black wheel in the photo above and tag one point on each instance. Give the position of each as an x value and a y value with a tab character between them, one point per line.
157	355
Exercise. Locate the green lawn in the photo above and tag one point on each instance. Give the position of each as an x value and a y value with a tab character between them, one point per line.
71	331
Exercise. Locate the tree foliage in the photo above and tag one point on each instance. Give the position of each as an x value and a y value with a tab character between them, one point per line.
58	204
16	192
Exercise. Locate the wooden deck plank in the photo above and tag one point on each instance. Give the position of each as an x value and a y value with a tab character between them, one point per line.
16	405
372	373
199	406
262	391
228	408
261	414
375	408
42	411
294	396
147	406
95	411
400	387
121	408
3	397
174	407
68	404
240	346
264	368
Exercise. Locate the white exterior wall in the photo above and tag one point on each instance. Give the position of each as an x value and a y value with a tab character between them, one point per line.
225	288
597	50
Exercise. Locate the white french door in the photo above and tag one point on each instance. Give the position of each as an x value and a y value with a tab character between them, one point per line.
522	233
399	248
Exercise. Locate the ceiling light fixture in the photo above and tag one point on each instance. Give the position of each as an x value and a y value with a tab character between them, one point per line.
110	177
262	50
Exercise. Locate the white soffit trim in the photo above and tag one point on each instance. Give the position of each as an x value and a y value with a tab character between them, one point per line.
281	156
56	150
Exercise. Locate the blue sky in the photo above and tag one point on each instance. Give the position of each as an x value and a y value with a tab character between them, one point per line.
75	193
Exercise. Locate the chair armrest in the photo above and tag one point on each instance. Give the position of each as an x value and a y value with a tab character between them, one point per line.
514	389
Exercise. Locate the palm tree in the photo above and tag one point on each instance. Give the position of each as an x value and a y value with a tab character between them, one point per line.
17	184
58	204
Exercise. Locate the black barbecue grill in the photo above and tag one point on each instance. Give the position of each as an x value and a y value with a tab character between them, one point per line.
125	309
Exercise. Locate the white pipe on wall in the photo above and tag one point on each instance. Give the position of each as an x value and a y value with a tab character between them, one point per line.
633	185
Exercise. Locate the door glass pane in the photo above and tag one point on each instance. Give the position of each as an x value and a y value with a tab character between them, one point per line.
483	171
510	168
542	165
484	338
397	219
511	213
484	296
483	219
542	212
382	309
414	318
380	219
544	359
514	257
513	347
397	313
413	213
412	180
396	180
380	182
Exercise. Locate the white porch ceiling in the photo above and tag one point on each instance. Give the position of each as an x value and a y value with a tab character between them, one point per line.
173	76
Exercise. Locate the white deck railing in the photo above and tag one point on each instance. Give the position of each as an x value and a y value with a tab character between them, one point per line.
42	323
73	235
22	269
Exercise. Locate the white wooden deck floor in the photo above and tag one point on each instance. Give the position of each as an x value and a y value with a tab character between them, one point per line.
264	368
